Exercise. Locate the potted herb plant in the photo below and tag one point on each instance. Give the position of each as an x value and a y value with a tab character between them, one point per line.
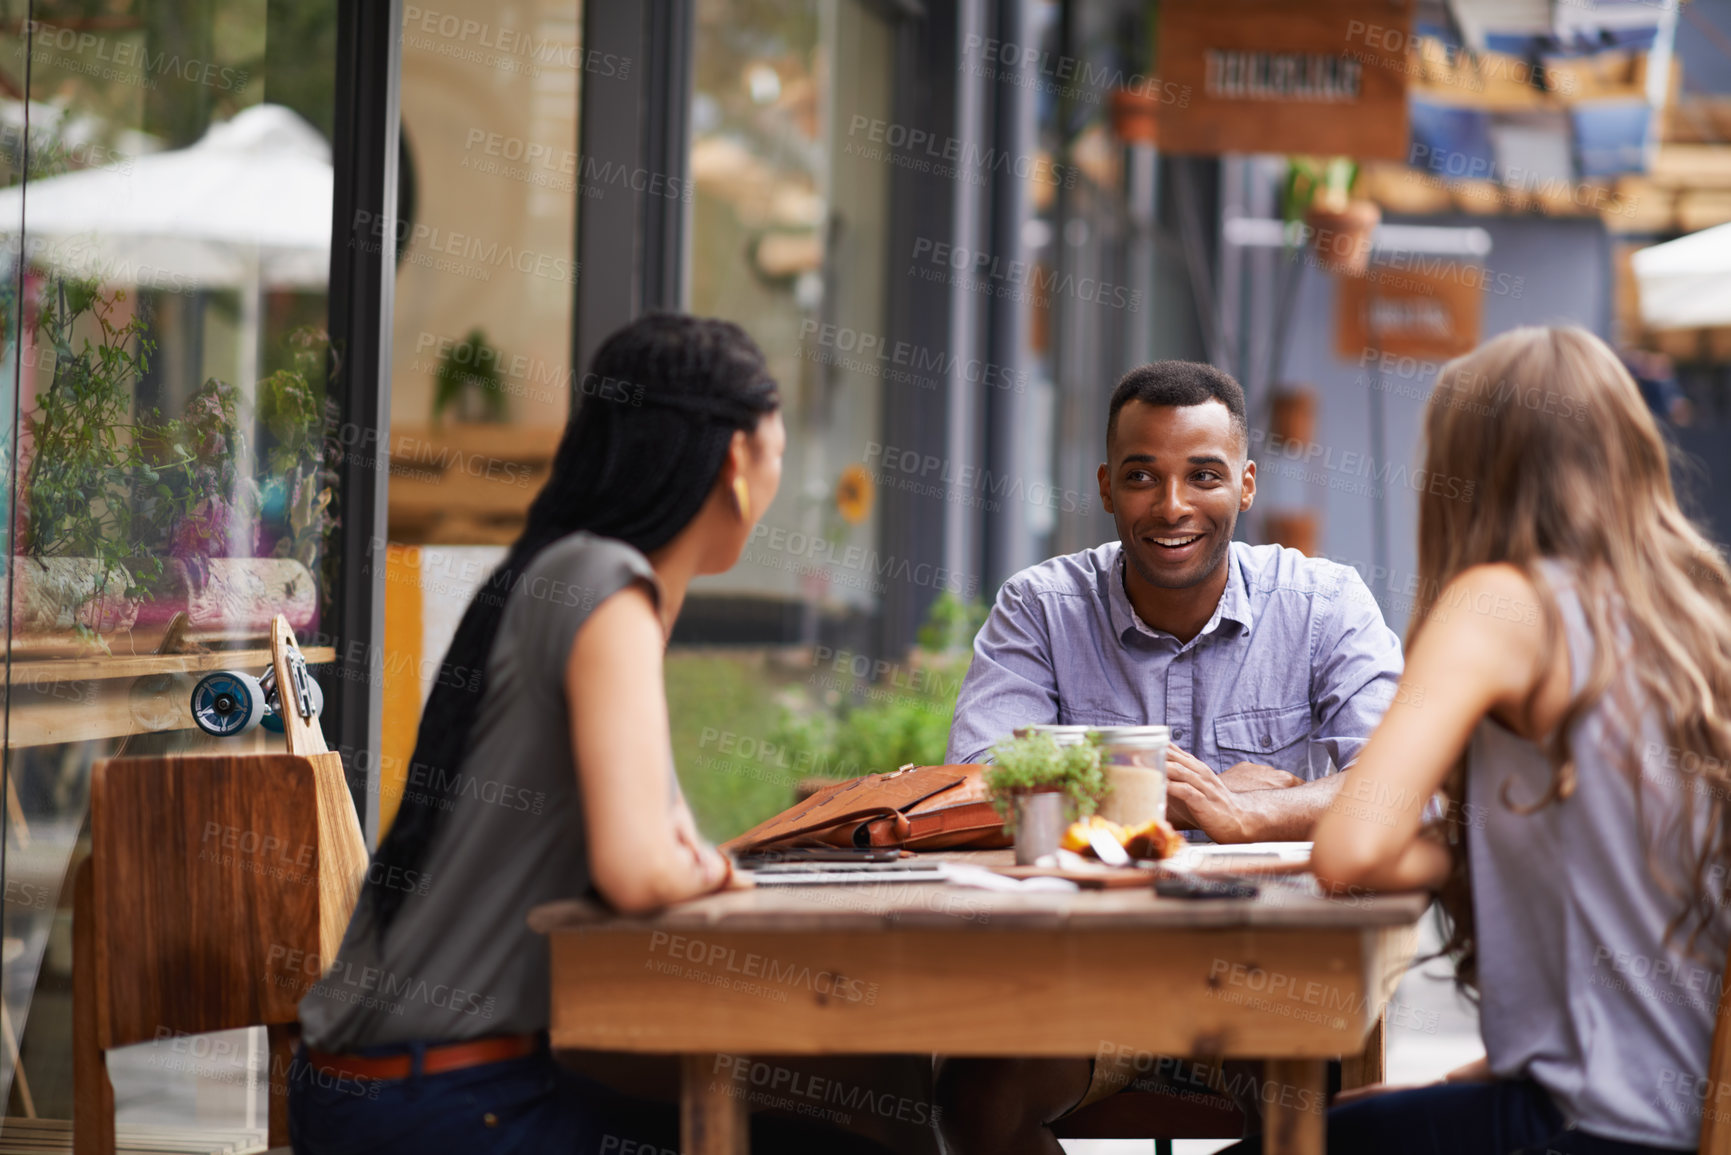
1136	114
1032	778
1319	193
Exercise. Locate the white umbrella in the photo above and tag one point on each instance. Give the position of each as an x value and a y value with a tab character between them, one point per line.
249	204
1686	283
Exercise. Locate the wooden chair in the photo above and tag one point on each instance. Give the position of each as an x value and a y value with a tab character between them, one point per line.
216	890
1716	1106
1164	1117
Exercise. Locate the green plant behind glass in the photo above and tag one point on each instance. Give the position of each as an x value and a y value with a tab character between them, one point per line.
291	407
90	490
130	490
903	717
813	719
950	626
471	365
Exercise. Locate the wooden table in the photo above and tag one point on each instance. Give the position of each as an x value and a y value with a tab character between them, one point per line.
895	968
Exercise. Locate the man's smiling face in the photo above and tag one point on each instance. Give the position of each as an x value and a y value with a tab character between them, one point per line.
1175	481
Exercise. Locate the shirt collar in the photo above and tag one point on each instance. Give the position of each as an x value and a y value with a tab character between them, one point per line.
1234	604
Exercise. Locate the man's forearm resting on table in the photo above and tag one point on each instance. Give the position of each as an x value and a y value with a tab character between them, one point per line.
1288	814
1246	802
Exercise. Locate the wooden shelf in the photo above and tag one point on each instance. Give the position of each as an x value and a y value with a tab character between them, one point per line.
88	699
1692	166
466	484
138	665
430	446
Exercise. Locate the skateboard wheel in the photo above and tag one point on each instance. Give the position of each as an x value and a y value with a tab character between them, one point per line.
226	703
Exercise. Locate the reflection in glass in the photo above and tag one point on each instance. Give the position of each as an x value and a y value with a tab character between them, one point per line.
481	373
173	481
789	238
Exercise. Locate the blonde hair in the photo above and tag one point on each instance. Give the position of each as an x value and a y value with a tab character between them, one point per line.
1548	434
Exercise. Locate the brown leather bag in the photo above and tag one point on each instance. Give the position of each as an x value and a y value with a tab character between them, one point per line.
916	808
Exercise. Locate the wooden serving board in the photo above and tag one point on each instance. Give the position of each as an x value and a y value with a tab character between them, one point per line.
1112	878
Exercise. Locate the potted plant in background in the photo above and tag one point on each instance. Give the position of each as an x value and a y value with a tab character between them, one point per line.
1135	104
470	381
1136	114
1319	193
1034	782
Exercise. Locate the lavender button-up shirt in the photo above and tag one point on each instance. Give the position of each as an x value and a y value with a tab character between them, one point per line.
1293	670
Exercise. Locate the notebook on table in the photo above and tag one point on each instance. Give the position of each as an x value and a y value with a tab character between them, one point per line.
1242	858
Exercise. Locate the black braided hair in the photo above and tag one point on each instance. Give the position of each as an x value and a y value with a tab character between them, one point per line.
641	453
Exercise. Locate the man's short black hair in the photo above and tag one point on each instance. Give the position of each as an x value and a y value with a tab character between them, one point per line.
1178	384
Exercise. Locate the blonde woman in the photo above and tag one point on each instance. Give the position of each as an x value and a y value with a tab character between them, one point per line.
1567	683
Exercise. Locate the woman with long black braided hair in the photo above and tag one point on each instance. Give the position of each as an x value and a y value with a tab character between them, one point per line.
543	770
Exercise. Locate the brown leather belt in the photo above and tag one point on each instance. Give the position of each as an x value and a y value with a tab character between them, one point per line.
434	1061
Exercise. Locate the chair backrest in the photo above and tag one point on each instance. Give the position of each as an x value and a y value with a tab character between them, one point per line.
1716	1106
221	886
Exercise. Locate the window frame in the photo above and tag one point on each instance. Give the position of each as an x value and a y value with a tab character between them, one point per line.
364	154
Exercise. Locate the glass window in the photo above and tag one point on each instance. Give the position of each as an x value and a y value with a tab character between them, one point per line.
788	239
481	374
166	370
788	236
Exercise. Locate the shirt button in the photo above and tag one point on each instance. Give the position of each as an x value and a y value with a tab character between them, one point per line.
490	1119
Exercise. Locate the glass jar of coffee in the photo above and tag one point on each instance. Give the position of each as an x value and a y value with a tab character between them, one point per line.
1134	759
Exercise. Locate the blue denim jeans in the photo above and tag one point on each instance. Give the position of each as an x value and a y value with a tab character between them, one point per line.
1504	1117
515	1107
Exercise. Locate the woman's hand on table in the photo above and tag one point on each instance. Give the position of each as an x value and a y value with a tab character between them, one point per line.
711	865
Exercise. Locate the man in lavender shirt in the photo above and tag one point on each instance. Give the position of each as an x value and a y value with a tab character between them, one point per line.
1271	668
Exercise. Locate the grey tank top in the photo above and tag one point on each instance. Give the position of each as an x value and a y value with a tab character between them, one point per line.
1579	989
459	961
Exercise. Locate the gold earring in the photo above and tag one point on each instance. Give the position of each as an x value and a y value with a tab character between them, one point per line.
742	498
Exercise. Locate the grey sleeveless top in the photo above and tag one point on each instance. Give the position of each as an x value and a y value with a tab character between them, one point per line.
1579	989
459	961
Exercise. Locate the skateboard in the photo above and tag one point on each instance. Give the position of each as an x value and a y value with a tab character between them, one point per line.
285	699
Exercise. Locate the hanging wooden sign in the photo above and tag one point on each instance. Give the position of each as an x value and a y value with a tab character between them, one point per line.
1321	77
1433	313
